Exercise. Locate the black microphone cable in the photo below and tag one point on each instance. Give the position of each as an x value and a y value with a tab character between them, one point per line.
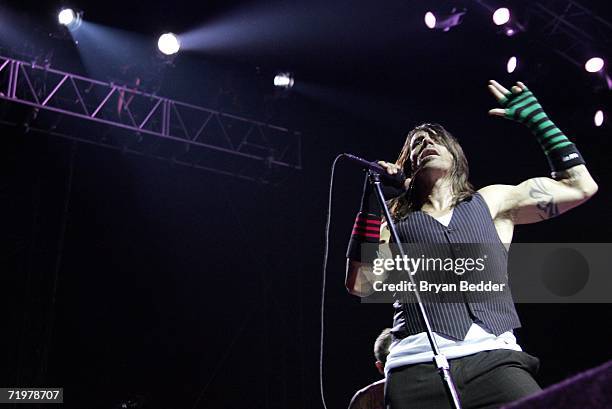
324	280
325	260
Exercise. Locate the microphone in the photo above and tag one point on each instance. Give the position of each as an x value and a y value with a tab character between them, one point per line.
396	180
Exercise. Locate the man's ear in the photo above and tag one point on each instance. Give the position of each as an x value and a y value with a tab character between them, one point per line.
380	366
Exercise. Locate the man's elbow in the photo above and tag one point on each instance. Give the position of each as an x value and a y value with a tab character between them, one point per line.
593	189
580	180
584	184
352	270
588	189
357	291
354	279
352	290
352	286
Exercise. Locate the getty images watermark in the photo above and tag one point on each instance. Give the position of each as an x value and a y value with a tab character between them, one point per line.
411	265
468	272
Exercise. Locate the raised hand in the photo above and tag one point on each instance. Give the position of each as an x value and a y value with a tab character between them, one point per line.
391	191
519	104
392	168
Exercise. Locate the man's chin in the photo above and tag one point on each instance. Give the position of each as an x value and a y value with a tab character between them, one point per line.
430	161
433	167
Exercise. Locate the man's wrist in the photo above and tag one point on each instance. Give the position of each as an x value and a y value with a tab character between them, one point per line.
365	230
563	158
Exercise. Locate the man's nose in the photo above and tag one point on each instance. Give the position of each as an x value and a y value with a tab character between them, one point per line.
428	140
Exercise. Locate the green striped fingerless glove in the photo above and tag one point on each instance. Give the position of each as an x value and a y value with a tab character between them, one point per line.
525	108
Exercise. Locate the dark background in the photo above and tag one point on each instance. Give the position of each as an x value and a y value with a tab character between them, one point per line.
129	278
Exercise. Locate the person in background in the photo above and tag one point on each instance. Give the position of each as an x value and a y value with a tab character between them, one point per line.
372	396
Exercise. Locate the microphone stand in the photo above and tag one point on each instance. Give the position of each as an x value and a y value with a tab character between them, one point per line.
439	359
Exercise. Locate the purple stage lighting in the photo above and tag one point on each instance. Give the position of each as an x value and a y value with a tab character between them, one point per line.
169	44
501	16
511	64
594	64
430	20
599	118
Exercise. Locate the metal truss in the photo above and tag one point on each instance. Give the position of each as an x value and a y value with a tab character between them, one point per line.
571	27
151	125
566	27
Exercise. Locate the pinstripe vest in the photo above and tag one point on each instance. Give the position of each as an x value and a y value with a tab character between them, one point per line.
471	223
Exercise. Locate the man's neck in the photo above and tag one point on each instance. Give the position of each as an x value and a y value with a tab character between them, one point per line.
435	195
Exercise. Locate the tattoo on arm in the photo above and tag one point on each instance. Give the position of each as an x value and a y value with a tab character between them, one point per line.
544	199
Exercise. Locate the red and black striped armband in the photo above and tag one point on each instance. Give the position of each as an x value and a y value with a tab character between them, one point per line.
365	230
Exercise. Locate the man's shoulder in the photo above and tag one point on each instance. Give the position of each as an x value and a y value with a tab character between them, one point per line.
495	190
495	196
379	384
371	396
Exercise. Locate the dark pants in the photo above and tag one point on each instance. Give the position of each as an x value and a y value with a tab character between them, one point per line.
485	380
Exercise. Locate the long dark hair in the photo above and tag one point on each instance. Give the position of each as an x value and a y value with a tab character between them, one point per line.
461	186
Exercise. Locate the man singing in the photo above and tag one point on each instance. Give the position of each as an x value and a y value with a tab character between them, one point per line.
439	205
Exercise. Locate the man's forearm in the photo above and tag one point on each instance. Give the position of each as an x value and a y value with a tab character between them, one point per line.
522	106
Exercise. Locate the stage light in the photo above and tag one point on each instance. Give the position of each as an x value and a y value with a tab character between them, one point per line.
511	64
444	22
168	44
599	118
509	31
283	80
501	16
66	16
594	64
69	18
430	20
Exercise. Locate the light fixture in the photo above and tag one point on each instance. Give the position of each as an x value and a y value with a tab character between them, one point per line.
594	64
444	22
501	16
169	44
430	20
598	118
69	18
283	80
511	64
